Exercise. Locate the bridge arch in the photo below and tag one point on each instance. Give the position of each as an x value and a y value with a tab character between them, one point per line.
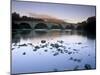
25	26
41	26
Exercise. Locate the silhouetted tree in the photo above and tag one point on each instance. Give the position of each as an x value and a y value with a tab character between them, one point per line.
69	27
88	26
91	25
15	16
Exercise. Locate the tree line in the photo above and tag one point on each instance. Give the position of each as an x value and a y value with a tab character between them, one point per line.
17	17
88	26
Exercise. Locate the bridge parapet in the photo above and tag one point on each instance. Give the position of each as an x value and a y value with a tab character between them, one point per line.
34	23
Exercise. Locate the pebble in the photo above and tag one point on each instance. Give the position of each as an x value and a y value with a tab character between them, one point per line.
34	49
23	45
87	66
24	53
55	54
79	43
69	52
37	47
43	41
12	48
45	50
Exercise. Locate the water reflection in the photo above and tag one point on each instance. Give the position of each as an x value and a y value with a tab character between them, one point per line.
56	50
28	34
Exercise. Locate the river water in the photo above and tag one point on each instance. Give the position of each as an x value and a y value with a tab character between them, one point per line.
52	51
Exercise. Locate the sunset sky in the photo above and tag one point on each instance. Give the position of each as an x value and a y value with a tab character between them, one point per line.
67	12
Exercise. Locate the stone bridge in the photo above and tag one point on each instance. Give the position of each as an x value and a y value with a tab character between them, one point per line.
33	24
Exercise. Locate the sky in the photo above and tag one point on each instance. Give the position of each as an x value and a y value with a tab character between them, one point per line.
67	12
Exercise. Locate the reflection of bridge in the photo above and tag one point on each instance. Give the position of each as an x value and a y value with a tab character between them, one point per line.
33	24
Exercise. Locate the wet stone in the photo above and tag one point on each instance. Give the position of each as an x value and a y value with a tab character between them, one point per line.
53	51
73	52
34	49
24	53
79	43
55	45
61	51
23	45
87	66
75	49
55	54
18	47
66	51
62	46
46	45
84	46
30	44
15	44
71	58
75	59
42	46
45	50
69	52
60	41
37	47
58	49
76	67
51	48
43	41
79	60
69	48
12	48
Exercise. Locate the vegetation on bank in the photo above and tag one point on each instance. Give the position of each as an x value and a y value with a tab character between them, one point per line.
88	26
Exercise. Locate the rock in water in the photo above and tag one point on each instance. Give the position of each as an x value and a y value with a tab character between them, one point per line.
71	58
79	43
55	54
69	52
76	67
24	53
37	47
34	49
87	66
45	50
43	41
60	41
23	45
66	51
55	45
12	48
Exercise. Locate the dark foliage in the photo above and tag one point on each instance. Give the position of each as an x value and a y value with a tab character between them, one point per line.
15	26
59	26
69	27
17	17
21	26
88	26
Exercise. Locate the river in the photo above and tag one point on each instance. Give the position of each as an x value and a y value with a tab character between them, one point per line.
52	51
